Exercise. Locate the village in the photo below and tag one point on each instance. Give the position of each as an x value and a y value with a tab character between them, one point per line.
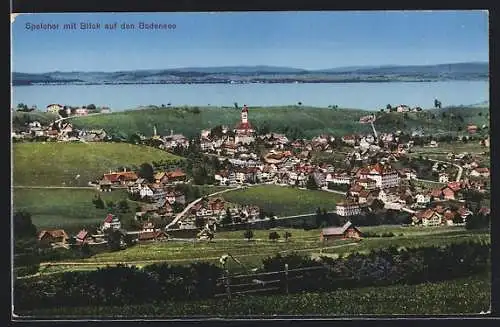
374	177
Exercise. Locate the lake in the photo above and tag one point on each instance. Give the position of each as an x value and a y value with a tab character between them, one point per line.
345	95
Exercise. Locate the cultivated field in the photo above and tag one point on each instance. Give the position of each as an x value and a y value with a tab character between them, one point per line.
469	295
68	209
251	253
283	200
75	164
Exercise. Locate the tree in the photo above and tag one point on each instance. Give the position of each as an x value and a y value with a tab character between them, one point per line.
272	222
98	202
127	238
388	107
299	103
319	217
274	236
437	103
123	206
23	226
287	235
248	234
227	219
146	171
177	207
134	139
236	105
199	222
216	132
91	106
311	183
114	238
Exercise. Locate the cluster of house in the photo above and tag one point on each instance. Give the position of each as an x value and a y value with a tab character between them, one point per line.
59	238
55	108
60	130
402	108
215	210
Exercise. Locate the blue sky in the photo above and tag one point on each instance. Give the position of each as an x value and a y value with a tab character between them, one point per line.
310	40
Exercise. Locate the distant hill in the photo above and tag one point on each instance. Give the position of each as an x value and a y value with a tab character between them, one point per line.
262	74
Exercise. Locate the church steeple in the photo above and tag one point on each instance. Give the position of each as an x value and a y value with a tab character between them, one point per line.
244	114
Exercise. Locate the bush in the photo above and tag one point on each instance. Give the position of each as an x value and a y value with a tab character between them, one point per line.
122	285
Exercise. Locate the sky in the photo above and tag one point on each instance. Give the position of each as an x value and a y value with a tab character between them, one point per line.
307	40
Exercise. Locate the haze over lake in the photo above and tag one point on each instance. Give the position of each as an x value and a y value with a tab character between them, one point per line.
369	96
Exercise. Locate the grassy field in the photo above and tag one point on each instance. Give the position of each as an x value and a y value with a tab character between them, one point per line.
469	295
251	253
67	209
58	164
284	201
311	120
190	121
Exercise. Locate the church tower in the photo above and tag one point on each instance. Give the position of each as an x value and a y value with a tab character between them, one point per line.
244	115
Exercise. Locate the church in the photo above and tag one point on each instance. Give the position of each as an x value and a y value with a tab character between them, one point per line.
244	133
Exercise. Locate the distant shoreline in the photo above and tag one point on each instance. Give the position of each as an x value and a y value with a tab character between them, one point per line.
347	81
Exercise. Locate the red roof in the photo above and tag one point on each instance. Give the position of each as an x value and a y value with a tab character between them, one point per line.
109	218
82	234
125	175
177	173
455	186
436	192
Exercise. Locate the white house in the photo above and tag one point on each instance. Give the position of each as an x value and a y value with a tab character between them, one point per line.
54	108
145	190
443	178
388	196
384	175
480	172
348	208
422	199
111	222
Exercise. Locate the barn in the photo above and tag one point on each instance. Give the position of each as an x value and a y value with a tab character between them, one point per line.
344	232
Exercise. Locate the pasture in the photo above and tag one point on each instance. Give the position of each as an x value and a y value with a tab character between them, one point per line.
75	164
284	200
66	209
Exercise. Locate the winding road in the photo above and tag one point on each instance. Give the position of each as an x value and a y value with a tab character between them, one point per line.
189	206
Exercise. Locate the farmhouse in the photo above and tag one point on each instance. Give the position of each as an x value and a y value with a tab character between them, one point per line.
49	237
121	177
480	172
54	108
111	222
344	232
427	217
82	237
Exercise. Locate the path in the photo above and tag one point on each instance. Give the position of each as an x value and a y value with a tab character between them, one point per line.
326	189
56	187
189	206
